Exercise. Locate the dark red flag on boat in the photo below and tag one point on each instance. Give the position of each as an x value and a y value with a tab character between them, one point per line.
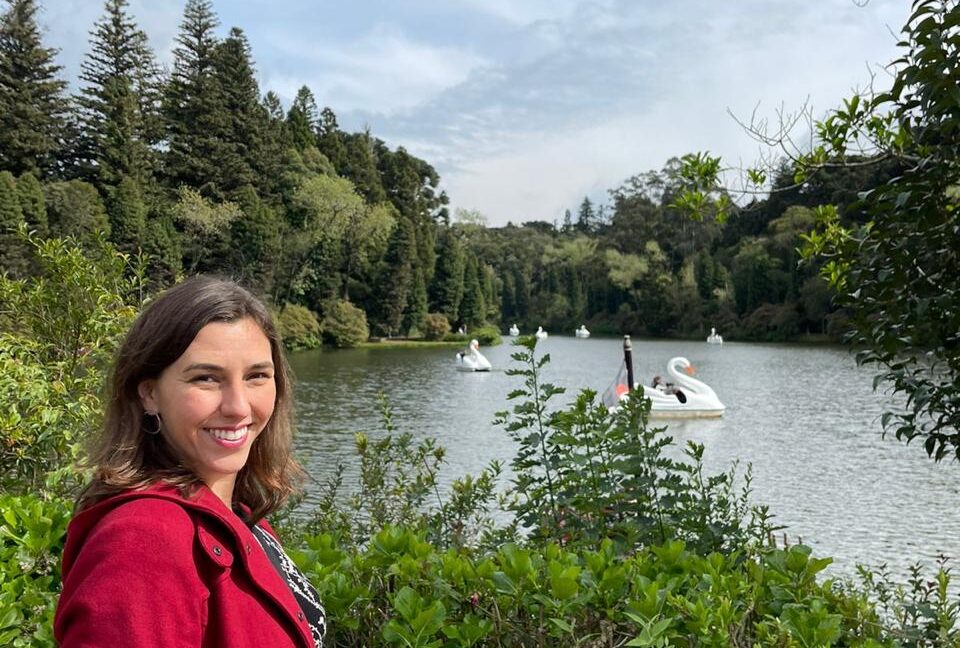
611	395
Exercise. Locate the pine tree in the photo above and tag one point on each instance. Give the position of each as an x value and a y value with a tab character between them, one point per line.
246	123
473	309
416	311
33	106
330	141
446	289
361	166
585	217
12	252
127	214
193	104
302	119
396	278
119	100
32	203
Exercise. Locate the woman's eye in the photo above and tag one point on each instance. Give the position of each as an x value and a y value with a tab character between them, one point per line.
204	378
260	375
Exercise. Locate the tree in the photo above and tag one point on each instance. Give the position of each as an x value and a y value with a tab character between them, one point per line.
127	213
897	273
193	104
303	120
32	103
32	204
13	257
119	99
446	289
585	216
245	122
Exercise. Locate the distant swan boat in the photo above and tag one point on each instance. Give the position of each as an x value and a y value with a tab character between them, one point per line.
514	331
541	334
714	337
582	332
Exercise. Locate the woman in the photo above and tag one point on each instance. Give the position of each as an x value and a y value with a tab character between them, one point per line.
169	545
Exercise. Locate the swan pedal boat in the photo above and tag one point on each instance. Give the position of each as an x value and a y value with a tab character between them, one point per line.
582	332
702	401
541	334
472	360
514	331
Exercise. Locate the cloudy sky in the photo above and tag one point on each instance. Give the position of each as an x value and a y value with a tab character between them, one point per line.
526	106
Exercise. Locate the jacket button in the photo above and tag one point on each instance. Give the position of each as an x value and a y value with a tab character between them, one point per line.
217	551
300	615
248	547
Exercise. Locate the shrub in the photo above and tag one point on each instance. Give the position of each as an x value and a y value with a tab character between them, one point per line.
345	324
435	326
32	533
61	329
299	328
486	335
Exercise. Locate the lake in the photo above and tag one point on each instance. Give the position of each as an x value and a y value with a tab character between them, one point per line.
804	416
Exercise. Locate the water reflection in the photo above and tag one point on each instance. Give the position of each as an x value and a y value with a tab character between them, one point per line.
804	416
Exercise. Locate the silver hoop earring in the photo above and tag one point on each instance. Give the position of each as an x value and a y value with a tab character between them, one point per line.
152	423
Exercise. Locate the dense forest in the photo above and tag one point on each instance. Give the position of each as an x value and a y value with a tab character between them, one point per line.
198	170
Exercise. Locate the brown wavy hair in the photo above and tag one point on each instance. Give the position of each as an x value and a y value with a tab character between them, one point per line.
124	457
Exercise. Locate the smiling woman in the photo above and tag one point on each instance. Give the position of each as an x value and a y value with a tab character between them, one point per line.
169	545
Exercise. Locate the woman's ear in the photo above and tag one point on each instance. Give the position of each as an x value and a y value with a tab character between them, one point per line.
145	391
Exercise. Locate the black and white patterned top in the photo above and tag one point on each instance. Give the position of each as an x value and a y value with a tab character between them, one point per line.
303	591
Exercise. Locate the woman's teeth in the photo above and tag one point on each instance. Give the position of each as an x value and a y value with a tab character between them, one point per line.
228	435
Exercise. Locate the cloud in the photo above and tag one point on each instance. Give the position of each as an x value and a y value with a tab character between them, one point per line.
382	69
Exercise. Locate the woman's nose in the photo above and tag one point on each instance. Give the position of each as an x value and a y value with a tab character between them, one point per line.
234	402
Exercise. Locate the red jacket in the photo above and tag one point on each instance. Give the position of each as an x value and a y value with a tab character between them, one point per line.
151	568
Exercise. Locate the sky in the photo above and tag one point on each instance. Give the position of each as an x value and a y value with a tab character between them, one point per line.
525	107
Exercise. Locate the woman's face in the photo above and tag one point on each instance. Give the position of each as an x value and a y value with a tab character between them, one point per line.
215	399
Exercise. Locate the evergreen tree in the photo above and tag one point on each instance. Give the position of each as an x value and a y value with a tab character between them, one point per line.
303	120
13	259
255	241
585	216
127	214
416	311
33	107
119	100
446	289
193	104
246	120
361	166
330	141
32	204
396	279
473	308
270	167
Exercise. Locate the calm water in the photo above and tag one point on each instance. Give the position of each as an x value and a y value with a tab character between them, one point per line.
804	416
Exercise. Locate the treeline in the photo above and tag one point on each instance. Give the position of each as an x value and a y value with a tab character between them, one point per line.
639	265
199	170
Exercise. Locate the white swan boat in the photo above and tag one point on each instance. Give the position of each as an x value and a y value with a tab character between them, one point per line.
714	337
514	331
472	359
582	332
687	397
541	334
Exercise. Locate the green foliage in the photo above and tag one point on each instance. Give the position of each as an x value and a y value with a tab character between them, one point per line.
32	103
60	329
74	209
486	335
13	255
404	590
435	326
299	328
32	533
585	474
32	203
345	325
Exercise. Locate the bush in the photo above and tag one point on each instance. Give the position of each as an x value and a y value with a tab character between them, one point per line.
486	335
435	326
345	324
299	328
62	327
32	533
